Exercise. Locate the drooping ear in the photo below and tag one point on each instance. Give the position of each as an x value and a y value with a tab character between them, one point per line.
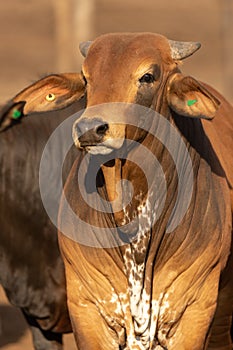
187	97
55	91
11	114
84	47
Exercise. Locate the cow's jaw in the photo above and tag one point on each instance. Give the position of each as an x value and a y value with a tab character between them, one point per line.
105	147
98	150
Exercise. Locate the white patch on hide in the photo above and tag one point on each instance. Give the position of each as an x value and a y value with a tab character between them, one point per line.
139	298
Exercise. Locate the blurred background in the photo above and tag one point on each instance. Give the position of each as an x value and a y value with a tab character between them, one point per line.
41	36
38	37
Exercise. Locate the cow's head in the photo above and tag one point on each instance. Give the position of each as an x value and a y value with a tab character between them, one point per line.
53	92
137	69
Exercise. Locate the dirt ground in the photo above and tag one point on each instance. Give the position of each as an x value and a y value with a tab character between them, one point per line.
28	49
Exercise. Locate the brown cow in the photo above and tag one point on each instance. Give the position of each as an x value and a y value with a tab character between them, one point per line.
149	268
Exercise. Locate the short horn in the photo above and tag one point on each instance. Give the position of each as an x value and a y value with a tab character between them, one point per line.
84	47
183	49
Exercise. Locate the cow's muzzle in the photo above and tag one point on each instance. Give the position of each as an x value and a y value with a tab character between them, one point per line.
89	132
101	129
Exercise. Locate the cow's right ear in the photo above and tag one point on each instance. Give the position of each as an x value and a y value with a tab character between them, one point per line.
189	98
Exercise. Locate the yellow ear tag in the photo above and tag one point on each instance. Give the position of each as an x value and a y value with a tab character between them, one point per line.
50	97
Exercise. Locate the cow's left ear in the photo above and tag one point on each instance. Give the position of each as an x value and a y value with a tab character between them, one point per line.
187	97
55	91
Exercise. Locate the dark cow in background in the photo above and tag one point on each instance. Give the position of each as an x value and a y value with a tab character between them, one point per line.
130	283
31	269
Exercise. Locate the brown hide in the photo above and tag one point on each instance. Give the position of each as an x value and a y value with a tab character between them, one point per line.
152	289
220	133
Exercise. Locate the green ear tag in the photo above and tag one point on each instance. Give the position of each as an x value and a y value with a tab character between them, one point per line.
16	114
191	102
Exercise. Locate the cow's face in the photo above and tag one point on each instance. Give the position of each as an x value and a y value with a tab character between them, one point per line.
138	69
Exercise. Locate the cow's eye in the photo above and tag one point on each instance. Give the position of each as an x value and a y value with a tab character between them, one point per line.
147	78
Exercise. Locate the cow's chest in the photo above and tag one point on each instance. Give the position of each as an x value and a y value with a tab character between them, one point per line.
139	282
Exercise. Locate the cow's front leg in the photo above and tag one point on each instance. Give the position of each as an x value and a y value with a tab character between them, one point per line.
90	329
220	337
189	329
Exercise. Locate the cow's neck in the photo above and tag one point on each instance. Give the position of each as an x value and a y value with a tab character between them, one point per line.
112	172
138	212
127	186
142	211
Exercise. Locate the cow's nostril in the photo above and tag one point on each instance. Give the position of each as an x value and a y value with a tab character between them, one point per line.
90	131
101	129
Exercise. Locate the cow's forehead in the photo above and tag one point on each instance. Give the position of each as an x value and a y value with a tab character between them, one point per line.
128	50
